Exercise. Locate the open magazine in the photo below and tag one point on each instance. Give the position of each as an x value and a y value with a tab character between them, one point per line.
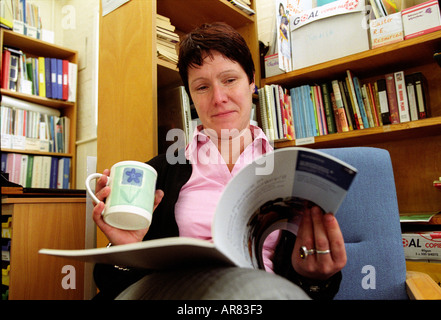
266	195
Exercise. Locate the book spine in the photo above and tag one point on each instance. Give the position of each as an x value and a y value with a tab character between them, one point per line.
421	97
278	113
66	173
262	109
354	100
295	113
314	112
46	172
367	106
48	76
347	105
289	112
6	56
36	171
361	105
336	116
374	105
23	169
41	77
65	94
392	98
271	113
54	173
72	82
59	79
329	113
309	111
384	101
403	104
340	112
411	96
29	171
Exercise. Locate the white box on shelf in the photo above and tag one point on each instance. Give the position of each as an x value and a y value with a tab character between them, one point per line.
422	245
386	30
329	32
272	65
421	19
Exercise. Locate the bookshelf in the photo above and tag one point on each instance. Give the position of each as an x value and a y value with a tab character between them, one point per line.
130	74
414	146
35	48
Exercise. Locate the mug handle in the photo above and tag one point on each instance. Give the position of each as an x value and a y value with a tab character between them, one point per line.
89	190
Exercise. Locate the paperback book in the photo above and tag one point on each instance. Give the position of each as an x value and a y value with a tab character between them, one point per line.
267	195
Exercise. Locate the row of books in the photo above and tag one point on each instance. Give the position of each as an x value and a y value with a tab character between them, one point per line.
342	105
166	39
35	171
22	16
43	76
26	126
244	5
276	112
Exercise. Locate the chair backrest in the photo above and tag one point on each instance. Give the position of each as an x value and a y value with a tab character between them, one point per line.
369	219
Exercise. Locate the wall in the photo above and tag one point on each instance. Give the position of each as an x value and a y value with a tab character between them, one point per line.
266	20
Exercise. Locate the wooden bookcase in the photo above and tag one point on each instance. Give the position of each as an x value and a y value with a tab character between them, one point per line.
130	74
414	146
35	48
45	222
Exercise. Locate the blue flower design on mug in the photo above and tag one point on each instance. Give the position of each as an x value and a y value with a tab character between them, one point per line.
132	176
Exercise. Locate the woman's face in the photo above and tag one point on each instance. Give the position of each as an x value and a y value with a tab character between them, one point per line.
221	93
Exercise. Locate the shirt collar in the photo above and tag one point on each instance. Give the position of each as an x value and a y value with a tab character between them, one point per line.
200	138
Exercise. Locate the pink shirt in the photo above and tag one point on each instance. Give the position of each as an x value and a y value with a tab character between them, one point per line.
198	198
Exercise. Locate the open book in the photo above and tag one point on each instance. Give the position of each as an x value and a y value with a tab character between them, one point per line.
266	195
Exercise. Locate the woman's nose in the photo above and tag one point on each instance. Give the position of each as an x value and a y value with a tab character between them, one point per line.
219	94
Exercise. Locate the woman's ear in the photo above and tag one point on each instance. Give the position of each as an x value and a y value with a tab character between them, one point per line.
253	83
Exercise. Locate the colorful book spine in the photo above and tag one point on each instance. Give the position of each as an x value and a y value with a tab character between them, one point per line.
403	104
392	98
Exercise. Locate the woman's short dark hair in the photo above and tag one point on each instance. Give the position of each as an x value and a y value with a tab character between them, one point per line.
213	37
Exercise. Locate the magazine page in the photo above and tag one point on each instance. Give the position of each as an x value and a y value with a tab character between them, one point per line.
271	194
167	253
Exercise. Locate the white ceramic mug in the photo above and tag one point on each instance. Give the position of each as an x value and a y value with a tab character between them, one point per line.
129	205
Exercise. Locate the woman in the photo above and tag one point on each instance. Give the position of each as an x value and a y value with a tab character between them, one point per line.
218	72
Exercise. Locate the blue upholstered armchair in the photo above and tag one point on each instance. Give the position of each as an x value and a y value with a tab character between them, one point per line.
369	220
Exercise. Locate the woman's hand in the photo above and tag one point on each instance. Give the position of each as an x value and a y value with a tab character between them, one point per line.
320	232
116	236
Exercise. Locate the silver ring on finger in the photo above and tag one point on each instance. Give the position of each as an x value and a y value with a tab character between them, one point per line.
304	252
323	251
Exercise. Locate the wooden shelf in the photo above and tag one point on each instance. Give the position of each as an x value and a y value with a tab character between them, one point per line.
39	153
52	103
388	133
188	14
409	53
168	75
35	47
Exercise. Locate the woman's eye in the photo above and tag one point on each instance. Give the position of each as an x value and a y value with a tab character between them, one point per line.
201	88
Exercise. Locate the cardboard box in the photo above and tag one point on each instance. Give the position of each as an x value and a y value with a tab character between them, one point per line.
421	19
386	30
328	32
422	245
272	65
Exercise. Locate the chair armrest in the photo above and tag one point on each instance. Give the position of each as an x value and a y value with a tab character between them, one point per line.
420	286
